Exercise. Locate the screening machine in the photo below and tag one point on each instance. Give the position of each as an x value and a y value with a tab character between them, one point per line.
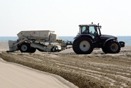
43	40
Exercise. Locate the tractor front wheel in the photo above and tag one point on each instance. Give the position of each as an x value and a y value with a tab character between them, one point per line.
104	49
113	47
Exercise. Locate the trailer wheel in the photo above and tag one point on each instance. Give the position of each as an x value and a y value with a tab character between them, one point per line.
25	47
113	47
32	50
53	49
83	45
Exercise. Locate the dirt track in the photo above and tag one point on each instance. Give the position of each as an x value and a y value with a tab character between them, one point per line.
97	69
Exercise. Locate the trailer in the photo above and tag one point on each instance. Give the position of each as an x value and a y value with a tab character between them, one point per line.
42	40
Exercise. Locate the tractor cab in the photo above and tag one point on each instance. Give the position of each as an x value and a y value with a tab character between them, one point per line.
92	30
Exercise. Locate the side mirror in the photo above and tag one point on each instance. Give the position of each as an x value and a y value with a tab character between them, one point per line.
99	26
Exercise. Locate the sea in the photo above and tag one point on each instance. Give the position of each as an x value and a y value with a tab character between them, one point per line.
126	39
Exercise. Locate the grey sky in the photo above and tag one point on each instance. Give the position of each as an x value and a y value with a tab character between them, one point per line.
64	16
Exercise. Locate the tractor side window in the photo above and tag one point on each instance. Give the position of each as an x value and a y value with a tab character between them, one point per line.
93	31
84	30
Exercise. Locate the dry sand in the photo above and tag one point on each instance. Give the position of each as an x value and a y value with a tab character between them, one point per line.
113	70
17	76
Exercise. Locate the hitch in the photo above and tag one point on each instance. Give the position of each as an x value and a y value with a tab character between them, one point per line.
69	43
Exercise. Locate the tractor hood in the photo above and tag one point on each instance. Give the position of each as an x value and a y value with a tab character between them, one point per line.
108	36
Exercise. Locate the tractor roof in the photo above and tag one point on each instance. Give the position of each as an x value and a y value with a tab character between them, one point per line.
89	25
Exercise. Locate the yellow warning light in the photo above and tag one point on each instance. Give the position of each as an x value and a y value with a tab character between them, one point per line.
91	22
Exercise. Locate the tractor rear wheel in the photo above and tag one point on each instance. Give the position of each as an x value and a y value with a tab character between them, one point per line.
113	47
83	45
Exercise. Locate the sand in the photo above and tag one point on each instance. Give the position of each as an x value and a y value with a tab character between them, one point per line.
18	76
99	69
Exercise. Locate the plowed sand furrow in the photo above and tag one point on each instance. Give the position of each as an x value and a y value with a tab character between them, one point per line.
88	74
115	75
95	74
102	65
100	77
112	71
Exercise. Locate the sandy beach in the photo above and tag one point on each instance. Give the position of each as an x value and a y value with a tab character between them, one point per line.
95	70
17	76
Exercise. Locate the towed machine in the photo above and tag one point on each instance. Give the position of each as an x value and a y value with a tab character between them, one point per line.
88	38
43	40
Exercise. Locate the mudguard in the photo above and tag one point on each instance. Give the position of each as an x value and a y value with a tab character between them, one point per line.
108	40
83	35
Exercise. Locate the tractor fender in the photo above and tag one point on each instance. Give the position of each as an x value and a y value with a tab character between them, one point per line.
108	40
83	35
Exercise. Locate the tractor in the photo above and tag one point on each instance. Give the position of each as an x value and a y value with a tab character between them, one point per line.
90	37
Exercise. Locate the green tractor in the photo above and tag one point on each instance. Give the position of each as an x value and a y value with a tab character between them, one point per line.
90	37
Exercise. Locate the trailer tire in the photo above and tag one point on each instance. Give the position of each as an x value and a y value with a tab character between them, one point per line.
83	45
113	47
25	47
53	49
32	50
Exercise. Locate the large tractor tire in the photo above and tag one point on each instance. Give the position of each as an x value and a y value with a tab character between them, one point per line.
104	48
83	45
113	47
25	47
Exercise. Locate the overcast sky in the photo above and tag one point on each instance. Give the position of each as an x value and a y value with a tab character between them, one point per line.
64	16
